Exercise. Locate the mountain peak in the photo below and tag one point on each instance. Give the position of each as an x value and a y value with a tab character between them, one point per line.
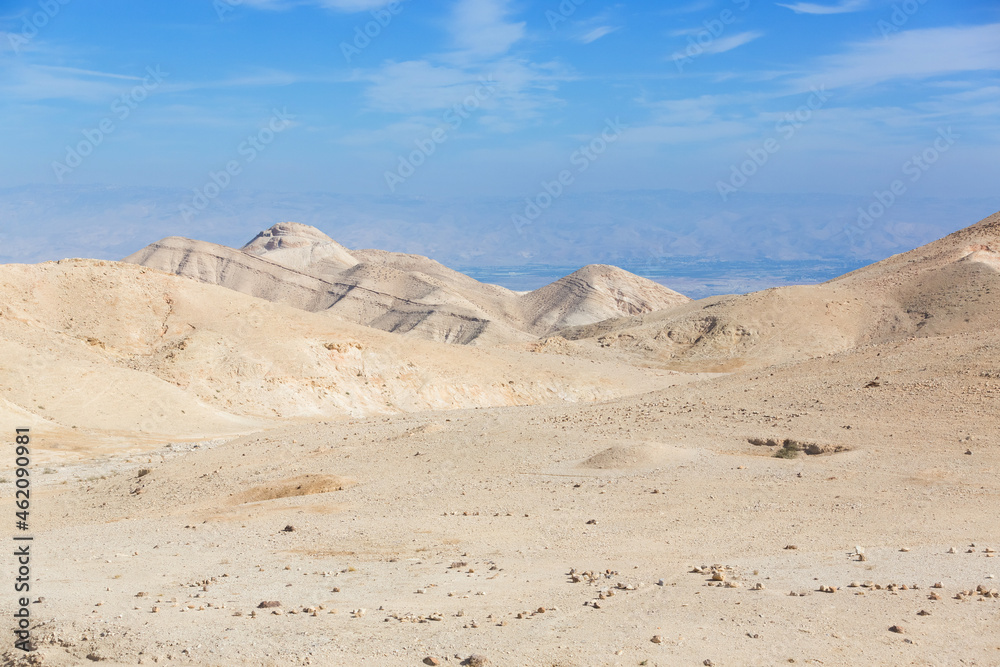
286	235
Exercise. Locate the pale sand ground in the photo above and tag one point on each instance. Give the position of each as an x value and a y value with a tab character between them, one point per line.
422	491
589	454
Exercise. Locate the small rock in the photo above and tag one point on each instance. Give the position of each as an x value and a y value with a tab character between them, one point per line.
953	550
791	546
923	612
476	660
898	629
657	639
288	529
937	584
592	522
934	596
719	576
267	604
431	661
854	584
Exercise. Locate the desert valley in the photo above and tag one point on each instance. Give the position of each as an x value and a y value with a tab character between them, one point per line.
297	453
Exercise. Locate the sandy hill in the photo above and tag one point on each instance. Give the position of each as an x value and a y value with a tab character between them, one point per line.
946	287
656	527
119	348
301	247
300	266
574	535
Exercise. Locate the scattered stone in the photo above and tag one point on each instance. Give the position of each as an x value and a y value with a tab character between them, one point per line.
953	550
719	576
657	639
476	660
790	546
905	549
431	661
758	586
592	522
898	629
143	472
854	584
267	604
288	529
923	612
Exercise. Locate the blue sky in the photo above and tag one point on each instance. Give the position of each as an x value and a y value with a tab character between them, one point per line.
498	98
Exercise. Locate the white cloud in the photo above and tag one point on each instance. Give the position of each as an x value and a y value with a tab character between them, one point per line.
913	54
24	82
723	44
842	7
417	85
518	89
480	28
596	34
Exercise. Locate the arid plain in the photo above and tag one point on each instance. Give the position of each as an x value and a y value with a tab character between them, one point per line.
296	453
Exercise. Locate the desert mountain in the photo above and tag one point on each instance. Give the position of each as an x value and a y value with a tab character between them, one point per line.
947	287
91	346
300	266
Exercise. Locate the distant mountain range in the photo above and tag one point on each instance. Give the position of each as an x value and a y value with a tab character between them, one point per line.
298	265
643	231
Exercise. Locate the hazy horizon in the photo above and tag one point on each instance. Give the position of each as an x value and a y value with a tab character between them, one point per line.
486	130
